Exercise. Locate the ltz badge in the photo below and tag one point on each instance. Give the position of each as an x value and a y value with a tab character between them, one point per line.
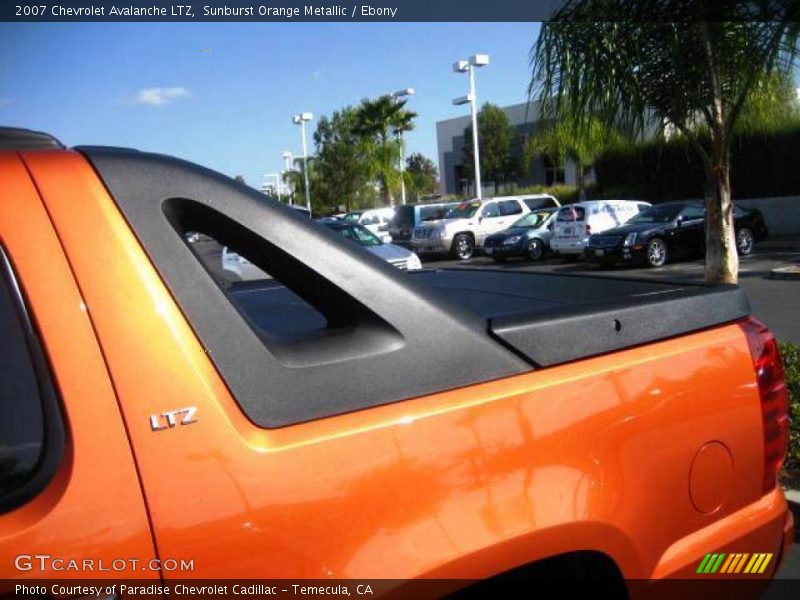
173	418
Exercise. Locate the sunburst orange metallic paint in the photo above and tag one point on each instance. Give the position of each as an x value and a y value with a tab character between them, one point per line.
93	508
593	455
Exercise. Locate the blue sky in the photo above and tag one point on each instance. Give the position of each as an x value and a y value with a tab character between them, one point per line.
223	95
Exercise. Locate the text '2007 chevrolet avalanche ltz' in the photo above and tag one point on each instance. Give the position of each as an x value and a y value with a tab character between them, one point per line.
346	419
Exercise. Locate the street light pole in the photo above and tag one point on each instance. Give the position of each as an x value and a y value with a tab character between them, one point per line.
396	96
300	119
464	66
288	165
277	177
475	144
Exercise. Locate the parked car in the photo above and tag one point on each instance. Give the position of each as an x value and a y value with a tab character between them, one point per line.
528	237
236	267
465	226
577	222
408	217
669	230
301	209
534	201
374	219
400	257
346	420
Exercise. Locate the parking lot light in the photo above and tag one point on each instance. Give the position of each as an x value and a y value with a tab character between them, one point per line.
301	119
397	96
468	66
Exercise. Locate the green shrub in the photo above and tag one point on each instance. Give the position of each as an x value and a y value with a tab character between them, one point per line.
791	366
566	194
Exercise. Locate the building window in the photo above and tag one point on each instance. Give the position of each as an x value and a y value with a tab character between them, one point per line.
553	172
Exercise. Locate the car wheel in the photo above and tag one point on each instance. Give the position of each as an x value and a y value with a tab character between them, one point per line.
535	249
463	246
656	252
745	240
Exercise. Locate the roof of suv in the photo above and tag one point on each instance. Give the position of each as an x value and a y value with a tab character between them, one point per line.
14	138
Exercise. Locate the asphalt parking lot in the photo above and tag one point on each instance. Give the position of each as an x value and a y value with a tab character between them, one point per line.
776	302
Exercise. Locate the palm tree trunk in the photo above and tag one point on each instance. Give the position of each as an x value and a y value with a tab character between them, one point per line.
580	177
386	192
722	260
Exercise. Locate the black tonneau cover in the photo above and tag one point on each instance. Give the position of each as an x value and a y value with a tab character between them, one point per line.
545	318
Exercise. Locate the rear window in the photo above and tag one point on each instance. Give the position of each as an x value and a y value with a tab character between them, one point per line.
404	216
571	213
510	207
537	203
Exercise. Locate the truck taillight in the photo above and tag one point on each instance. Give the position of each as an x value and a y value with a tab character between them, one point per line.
774	397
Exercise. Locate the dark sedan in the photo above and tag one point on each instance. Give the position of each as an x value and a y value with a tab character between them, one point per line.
669	230
528	237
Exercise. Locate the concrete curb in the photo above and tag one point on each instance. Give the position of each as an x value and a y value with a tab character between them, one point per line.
793	499
789	273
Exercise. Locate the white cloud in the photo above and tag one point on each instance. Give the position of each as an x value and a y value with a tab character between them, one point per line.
159	96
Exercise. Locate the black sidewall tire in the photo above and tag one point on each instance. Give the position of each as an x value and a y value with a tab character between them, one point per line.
471	243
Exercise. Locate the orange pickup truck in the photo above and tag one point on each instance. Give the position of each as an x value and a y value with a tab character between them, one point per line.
345	419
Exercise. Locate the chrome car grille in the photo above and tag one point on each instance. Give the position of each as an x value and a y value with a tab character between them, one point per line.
423	233
604	241
400	263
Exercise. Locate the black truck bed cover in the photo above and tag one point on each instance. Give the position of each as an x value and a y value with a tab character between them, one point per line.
545	318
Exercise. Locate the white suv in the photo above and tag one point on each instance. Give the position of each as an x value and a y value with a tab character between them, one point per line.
466	225
577	222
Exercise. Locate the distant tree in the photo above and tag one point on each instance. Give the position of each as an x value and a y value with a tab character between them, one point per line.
422	175
495	136
340	165
772	104
689	65
377	123
296	181
239	178
561	140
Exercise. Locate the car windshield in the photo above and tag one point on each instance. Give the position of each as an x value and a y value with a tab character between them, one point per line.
352	216
359	234
465	210
657	214
534	219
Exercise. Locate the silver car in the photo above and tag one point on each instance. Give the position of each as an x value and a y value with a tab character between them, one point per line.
395	255
238	268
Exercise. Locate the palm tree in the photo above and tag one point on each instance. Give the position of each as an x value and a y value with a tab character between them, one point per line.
690	65
378	123
296	181
562	140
